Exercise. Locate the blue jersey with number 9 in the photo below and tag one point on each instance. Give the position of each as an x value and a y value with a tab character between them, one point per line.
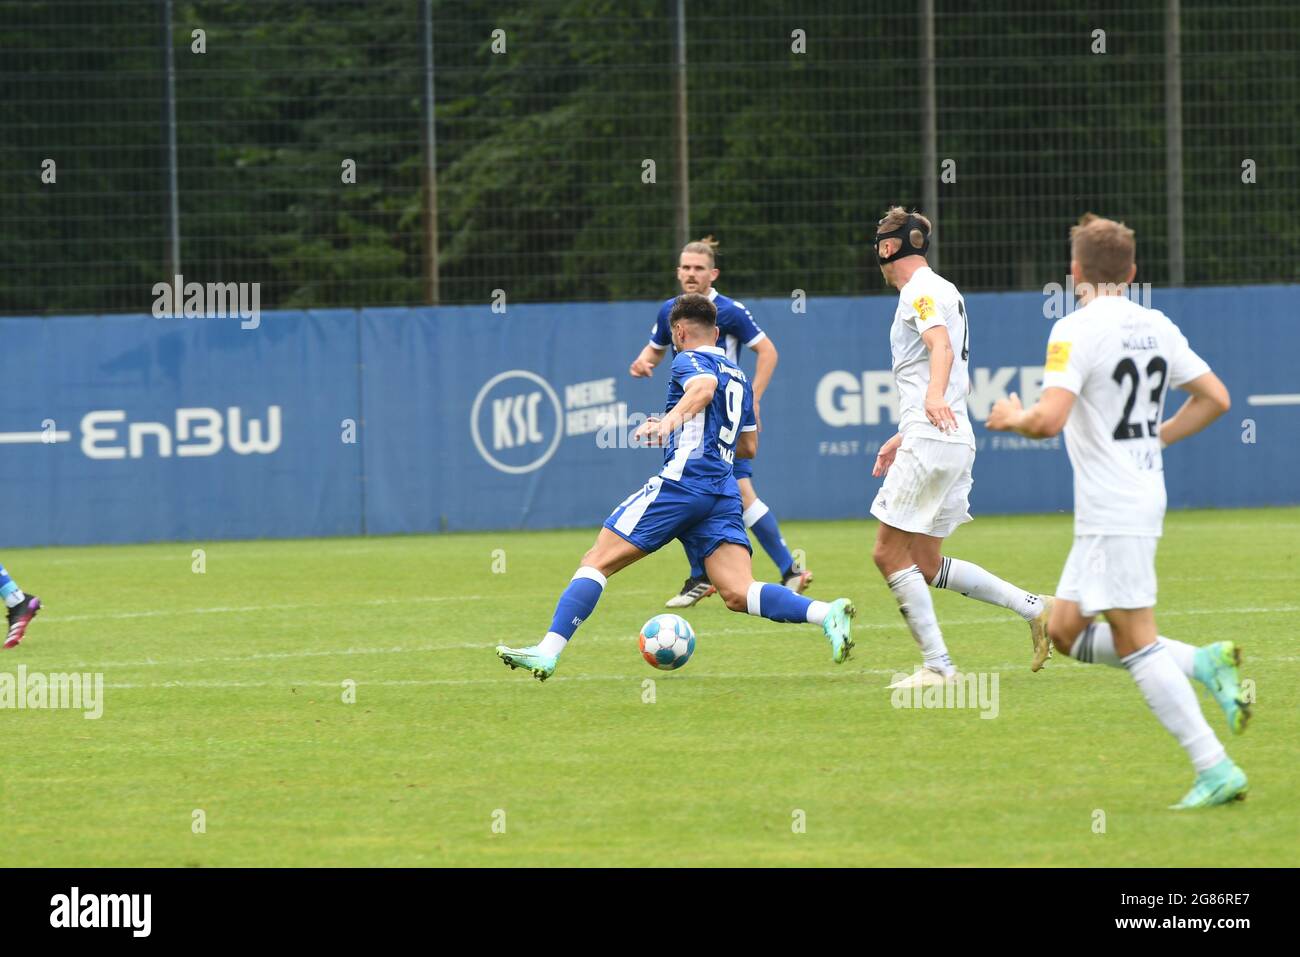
701	453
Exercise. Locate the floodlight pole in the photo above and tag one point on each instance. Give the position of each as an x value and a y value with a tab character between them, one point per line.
431	290
169	122
1174	143
682	182
929	130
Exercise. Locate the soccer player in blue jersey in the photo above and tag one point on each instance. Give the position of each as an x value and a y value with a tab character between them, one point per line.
696	272
22	608
708	422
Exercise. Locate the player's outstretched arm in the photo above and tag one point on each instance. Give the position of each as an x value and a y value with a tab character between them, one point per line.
643	366
1209	400
1045	419
765	358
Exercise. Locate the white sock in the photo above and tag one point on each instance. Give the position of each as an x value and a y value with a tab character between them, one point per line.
1172	700
15	598
817	612
755	511
552	644
971	580
917	606
1096	645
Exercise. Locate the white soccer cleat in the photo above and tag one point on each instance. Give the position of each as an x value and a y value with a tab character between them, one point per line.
798	580
924	678
1038	634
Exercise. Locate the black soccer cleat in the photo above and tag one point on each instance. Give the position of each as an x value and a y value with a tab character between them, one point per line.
695	589
20	616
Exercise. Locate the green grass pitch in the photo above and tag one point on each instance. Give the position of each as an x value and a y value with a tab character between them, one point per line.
224	693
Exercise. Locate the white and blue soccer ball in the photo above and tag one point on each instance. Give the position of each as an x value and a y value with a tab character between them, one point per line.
667	642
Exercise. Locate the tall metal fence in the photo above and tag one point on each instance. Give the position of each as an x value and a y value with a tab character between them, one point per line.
436	151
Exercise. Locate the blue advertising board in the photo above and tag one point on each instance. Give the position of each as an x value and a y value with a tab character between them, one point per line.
378	421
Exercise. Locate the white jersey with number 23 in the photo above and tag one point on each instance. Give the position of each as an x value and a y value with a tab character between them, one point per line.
1120	359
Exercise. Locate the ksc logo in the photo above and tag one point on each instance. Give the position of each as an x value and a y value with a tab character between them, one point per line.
516	421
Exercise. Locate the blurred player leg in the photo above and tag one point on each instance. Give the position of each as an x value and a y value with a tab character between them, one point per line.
1101	567
1216	666
1172	700
21	608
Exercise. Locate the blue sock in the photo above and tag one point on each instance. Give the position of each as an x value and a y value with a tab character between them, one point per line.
8	588
697	566
578	602
760	518
777	603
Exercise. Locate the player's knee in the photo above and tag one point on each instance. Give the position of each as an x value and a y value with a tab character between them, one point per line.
929	567
884	557
1063	630
737	599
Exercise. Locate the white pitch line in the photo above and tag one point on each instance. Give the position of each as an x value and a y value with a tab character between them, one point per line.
173	612
838	675
505	678
1280	398
464	646
586	639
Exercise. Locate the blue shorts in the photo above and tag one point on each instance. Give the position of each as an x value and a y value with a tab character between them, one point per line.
743	468
662	510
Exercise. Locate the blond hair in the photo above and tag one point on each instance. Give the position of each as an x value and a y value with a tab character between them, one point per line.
708	246
1104	249
896	217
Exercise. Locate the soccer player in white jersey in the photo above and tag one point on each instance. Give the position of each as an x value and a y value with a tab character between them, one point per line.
1109	366
927	465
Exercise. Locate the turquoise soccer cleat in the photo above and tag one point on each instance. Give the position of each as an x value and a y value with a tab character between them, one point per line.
1216	668
530	659
1220	784
838	627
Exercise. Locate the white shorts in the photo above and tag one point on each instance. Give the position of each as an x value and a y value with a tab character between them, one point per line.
927	489
1110	571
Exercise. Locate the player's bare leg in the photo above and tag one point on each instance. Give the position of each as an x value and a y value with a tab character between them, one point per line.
893	556
759	519
1172	700
1215	665
967	578
731	570
609	555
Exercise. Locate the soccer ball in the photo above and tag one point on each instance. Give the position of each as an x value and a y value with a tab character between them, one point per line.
667	642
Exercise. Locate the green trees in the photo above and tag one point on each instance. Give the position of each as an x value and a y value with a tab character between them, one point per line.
804	124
